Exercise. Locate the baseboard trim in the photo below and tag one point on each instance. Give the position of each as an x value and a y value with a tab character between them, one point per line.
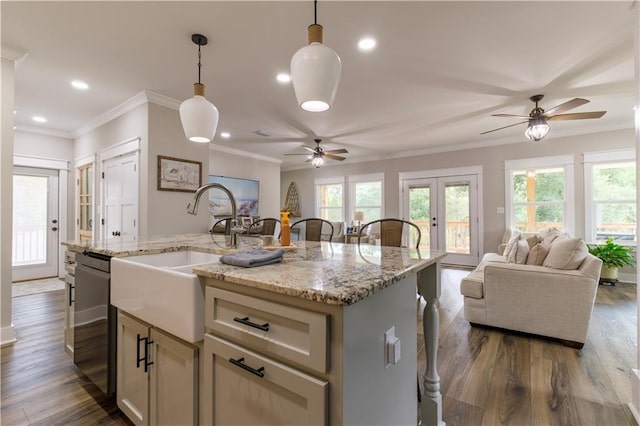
627	278
7	336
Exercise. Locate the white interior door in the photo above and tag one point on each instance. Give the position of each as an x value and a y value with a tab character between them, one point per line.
446	211
35	236
120	186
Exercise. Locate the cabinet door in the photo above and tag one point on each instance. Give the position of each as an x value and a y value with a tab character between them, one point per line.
133	382
173	387
245	388
69	282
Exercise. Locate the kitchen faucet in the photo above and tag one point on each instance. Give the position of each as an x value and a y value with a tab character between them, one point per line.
192	207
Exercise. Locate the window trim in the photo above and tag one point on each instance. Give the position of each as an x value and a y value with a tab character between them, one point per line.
598	158
564	161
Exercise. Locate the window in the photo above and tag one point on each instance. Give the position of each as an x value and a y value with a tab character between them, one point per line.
610	196
540	193
85	202
366	196
330	199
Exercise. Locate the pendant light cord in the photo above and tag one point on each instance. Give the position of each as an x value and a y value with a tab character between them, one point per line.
315	12
199	64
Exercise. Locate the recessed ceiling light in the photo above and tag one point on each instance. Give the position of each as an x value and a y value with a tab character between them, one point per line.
366	44
80	85
283	77
225	135
39	119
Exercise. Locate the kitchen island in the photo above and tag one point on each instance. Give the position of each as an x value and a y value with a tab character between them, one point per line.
334	361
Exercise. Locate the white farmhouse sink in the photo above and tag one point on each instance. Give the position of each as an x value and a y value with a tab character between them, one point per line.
161	290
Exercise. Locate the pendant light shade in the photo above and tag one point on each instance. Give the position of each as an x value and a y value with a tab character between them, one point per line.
199	116
537	129
315	72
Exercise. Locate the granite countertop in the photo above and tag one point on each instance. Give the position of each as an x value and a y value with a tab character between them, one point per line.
333	273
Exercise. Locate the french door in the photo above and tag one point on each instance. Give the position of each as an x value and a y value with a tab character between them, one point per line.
446	211
35	236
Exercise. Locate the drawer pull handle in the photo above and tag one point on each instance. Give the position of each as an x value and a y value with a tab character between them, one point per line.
245	321
240	363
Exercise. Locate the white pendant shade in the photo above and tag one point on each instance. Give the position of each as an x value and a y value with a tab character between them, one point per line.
315	74
199	119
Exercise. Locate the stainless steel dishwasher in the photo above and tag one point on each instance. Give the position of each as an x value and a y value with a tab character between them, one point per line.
95	321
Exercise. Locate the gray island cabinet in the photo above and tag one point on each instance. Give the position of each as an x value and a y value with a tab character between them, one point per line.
327	337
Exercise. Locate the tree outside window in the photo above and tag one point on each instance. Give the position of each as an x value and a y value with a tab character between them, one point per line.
368	199
614	201
330	198
538	197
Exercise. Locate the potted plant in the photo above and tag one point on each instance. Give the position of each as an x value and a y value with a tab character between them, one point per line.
613	256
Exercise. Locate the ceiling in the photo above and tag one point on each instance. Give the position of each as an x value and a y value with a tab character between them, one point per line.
439	71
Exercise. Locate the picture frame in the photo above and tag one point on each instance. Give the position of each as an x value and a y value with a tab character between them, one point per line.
246	221
245	191
177	174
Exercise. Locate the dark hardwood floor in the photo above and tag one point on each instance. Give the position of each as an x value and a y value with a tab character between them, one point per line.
40	383
488	377
491	377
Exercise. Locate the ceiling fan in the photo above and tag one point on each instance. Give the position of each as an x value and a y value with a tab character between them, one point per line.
318	154
538	117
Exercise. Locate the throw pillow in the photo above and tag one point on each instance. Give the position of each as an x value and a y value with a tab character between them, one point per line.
511	244
566	253
533	240
549	234
537	254
518	252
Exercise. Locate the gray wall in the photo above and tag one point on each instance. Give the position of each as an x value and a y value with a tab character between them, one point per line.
490	158
166	211
248	167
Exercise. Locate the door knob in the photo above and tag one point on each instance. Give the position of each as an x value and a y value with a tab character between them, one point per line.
54	229
54	221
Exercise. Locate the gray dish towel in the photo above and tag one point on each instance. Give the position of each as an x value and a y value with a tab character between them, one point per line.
253	258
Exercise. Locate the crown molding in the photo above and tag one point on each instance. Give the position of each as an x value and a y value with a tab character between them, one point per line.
141	98
235	151
43	131
13	53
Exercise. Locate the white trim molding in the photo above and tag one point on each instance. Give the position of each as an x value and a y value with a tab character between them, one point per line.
7	336
40	163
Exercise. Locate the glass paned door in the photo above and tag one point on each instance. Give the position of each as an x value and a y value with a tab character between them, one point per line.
446	211
35	223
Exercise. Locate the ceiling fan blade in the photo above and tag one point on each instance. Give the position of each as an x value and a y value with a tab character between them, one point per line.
505	127
509	115
309	149
573	103
300	154
334	157
337	151
577	116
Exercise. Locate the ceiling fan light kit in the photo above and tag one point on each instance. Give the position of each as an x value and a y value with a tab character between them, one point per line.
537	129
315	71
317	161
199	117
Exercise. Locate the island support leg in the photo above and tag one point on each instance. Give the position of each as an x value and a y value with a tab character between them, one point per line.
429	287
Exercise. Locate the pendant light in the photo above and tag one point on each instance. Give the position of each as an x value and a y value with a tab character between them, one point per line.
315	71
199	116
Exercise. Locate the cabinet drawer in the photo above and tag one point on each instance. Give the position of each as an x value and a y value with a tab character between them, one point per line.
272	328
70	262
247	388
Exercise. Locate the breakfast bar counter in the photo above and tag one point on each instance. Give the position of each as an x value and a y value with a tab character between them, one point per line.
337	276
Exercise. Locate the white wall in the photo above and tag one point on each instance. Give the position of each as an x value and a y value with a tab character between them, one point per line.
251	167
490	158
7	86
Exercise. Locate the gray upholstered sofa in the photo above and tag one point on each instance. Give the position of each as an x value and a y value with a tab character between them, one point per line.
552	294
